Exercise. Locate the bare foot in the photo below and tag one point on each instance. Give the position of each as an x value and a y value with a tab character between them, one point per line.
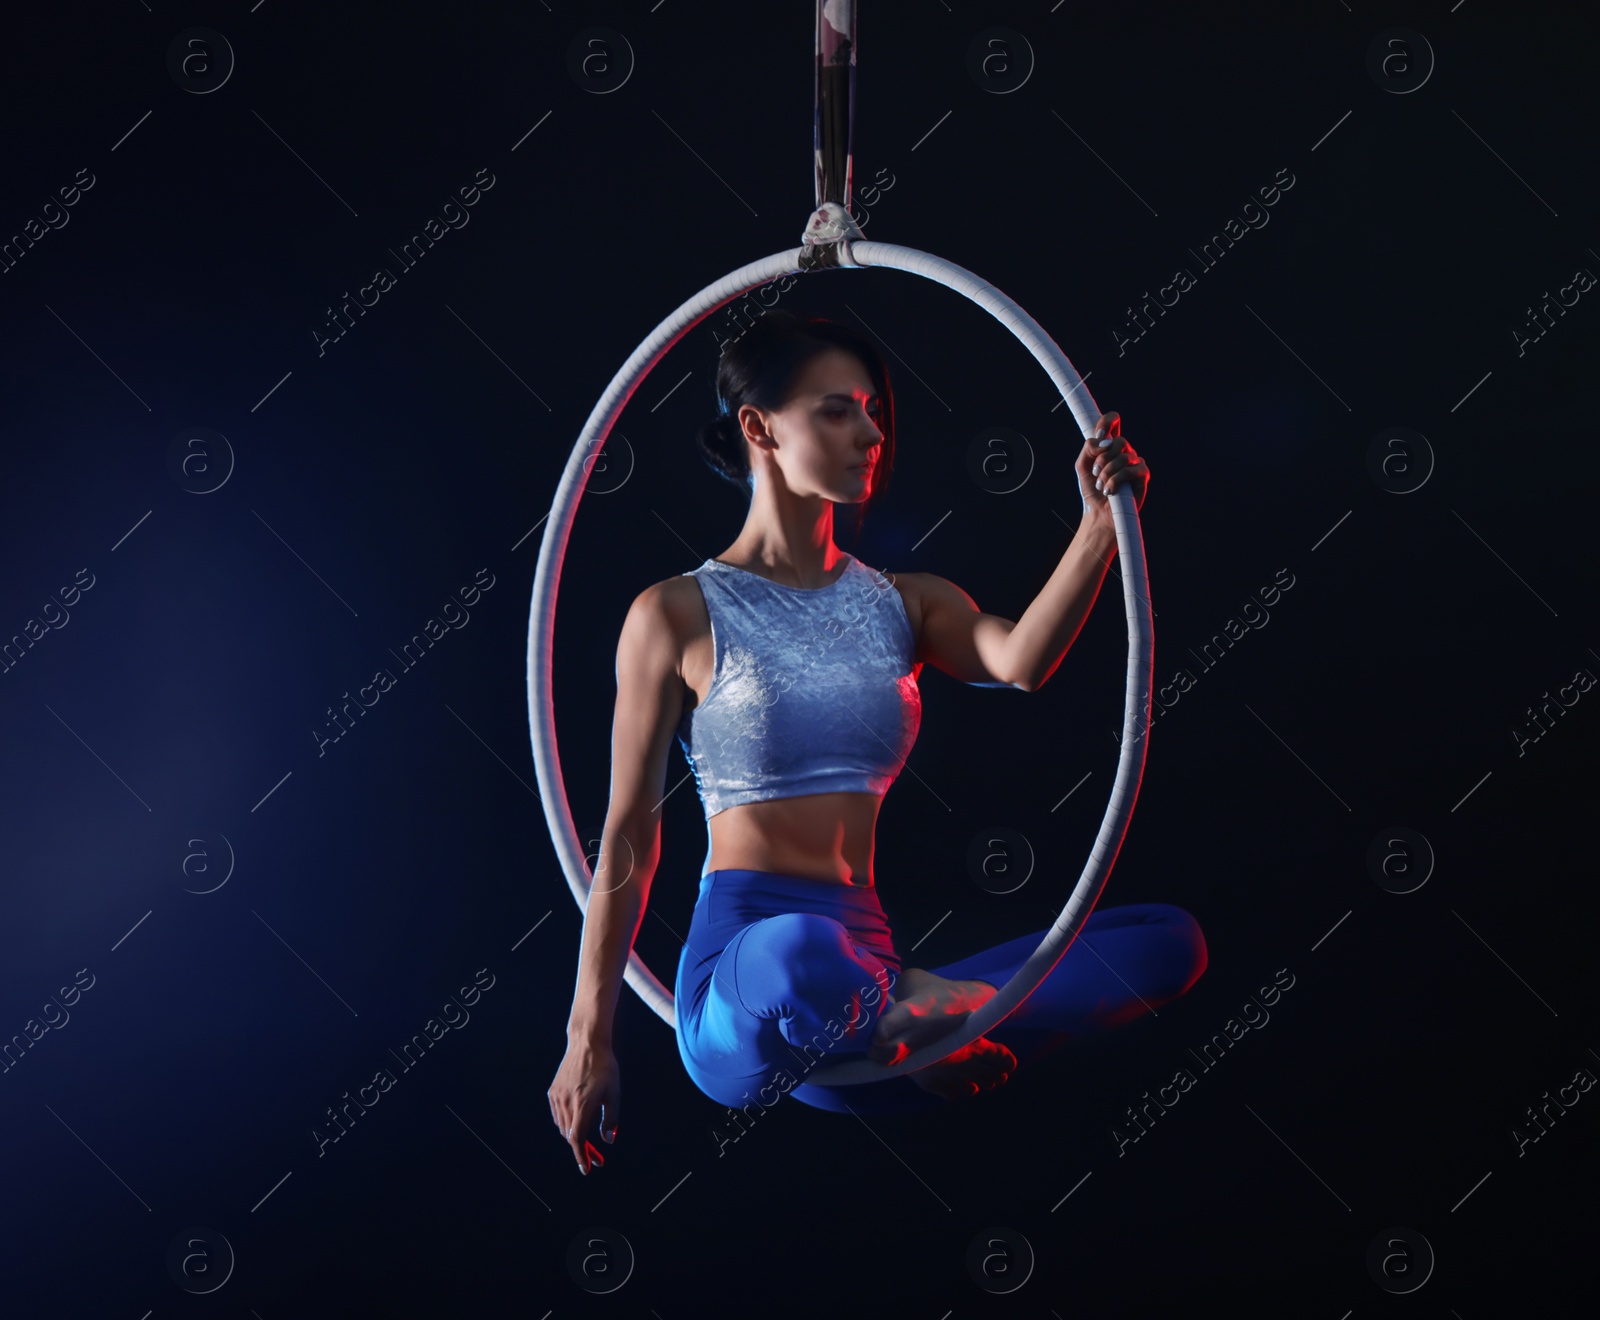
980	1066
923	1008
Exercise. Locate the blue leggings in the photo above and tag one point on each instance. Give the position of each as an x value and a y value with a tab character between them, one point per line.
780	971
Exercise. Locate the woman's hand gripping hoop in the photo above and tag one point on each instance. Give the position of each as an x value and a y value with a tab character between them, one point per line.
1105	462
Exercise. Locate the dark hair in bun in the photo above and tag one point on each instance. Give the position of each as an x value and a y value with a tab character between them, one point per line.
760	368
721	443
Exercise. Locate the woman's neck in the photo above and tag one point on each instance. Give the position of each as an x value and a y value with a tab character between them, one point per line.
798	550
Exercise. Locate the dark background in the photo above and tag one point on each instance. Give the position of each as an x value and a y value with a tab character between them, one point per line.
175	715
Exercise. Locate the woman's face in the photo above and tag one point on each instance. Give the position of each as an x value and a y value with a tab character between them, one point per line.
825	440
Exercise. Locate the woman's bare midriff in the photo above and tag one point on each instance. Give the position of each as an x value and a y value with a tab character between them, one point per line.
822	836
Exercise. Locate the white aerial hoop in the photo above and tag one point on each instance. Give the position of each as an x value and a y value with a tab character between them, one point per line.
833	240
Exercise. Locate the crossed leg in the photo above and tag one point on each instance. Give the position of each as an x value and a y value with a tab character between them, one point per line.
792	989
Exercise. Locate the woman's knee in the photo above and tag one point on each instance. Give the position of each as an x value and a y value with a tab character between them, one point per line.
1187	957
807	955
826	992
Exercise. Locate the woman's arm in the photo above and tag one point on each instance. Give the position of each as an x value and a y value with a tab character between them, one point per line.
610	926
588	1087
1049	626
649	704
989	650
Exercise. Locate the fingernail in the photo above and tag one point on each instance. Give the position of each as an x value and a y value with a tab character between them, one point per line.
1105	442
1097	485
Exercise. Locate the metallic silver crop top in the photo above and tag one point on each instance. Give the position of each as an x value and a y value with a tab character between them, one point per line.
813	690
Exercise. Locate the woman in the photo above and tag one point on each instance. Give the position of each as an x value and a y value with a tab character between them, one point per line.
787	669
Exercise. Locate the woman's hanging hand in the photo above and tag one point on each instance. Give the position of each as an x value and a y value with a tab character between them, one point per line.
1108	462
587	1090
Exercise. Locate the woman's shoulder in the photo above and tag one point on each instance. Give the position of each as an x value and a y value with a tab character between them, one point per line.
909	585
674	604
